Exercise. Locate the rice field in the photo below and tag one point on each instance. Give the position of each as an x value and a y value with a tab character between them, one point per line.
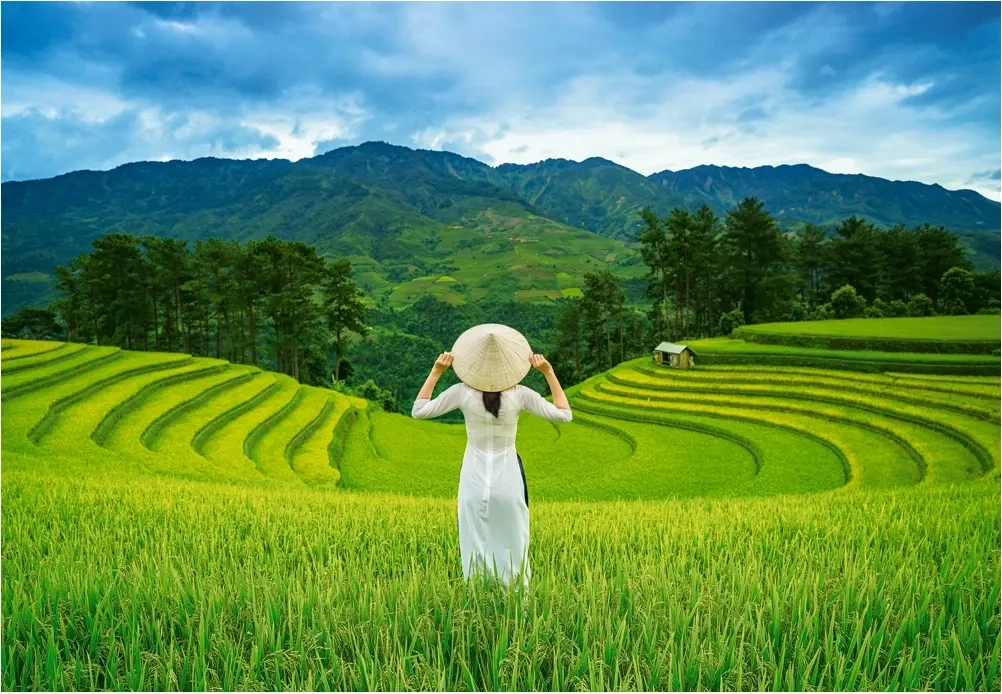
172	523
722	351
928	328
936	334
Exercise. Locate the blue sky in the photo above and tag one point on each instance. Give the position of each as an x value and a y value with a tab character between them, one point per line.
900	90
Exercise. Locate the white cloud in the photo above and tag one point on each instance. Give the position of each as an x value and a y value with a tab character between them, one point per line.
305	117
871	129
56	98
147	131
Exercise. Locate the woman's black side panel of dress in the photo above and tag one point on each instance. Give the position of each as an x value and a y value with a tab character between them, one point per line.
524	485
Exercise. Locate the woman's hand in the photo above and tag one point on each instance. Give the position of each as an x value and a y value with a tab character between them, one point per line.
540	364
544	367
443	363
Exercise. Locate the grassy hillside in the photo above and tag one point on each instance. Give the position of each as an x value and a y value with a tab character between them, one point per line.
179	523
595	194
800	193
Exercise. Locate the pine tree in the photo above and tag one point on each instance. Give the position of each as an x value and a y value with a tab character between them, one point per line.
344	307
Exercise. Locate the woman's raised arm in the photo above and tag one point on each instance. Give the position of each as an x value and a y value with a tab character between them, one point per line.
447	401
557	411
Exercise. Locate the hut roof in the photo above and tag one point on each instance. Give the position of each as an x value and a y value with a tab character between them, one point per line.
671	348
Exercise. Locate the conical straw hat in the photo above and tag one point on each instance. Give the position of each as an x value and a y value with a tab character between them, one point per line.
491	357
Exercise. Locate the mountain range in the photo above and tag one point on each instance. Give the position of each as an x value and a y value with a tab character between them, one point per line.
415	222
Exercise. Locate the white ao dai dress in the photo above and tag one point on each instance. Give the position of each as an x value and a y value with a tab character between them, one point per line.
493	499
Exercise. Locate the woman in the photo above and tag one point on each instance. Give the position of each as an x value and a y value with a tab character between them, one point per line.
490	360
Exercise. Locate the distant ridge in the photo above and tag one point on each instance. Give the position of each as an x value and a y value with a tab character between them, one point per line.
402	214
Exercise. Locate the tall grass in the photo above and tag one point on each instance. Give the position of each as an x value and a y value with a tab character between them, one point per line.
153	584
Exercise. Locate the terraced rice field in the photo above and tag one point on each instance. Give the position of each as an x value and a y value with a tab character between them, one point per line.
722	351
887	430
179	523
937	334
929	328
166	413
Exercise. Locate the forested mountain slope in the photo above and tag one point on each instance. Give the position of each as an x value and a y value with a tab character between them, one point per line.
409	218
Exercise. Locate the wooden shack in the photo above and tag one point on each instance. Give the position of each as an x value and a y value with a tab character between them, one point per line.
670	354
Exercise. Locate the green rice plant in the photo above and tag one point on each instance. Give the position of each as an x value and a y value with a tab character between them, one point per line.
590	458
269	448
592	462
337	449
780	575
943	452
120	583
939	378
939	334
38	408
308	452
391	452
979	437
139	429
198	370
974	383
13	351
973	388
180	436
790	461
875	459
933	380
103	378
729	352
764	380
45	372
82	417
926	329
980	391
228	440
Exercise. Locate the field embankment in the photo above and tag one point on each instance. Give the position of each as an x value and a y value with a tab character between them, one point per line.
935	335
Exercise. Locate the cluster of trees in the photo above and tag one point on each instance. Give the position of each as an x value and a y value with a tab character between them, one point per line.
703	269
271	303
598	330
901	271
707	276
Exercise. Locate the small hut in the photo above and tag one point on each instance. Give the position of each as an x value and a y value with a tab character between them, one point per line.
670	354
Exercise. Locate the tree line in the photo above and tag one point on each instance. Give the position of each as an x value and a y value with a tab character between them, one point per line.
270	303
708	275
702	267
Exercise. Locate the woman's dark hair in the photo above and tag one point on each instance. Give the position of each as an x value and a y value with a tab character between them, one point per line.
492	402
